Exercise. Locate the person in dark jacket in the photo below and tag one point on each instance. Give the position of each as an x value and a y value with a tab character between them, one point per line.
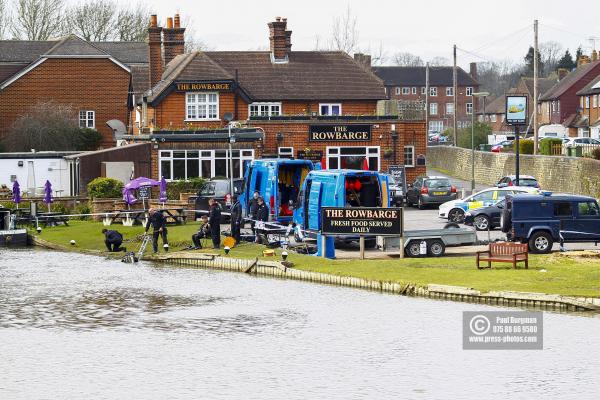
203	232
253	210
236	218
159	228
262	215
113	240
214	222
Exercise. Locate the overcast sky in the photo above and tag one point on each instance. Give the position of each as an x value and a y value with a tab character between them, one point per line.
495	30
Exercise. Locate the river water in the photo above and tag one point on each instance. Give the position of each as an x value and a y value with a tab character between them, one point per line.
76	326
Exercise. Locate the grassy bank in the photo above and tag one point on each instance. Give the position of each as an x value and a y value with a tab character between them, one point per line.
551	274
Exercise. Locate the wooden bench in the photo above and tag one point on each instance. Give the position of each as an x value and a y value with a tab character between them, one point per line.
504	252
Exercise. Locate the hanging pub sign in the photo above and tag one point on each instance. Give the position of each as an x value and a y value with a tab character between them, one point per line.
312	155
361	221
202	86
398	172
516	110
339	133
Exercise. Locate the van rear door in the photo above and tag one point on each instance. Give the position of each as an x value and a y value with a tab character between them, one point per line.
314	206
384	188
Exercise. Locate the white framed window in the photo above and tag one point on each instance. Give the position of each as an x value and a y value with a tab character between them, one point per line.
353	157
405	90
433	91
581	101
587	101
397	91
414	90
493	117
87	119
202	106
330	109
449	91
469	108
553	106
595	101
409	156
264	109
432	108
450	108
469	91
285	152
436	126
423	90
187	164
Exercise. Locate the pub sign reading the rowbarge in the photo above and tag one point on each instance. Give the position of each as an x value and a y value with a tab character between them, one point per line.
202	86
361	220
339	133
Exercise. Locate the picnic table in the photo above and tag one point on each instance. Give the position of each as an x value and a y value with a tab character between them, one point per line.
52	219
174	215
137	216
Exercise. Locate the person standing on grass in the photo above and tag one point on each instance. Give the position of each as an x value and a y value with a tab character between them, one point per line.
262	215
253	209
236	218
113	240
159	228
214	222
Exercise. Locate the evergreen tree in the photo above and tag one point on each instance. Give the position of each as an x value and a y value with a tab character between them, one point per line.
566	61
529	62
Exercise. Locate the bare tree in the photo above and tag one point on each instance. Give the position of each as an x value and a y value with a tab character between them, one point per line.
551	53
498	77
405	59
38	19
192	41
132	23
439	61
93	20
344	35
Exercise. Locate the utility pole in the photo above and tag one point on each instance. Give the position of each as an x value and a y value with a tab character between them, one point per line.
535	86
455	90
427	99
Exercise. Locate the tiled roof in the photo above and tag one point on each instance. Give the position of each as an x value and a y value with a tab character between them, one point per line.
309	75
571	79
591	88
73	45
140	79
126	52
416	76
544	84
24	51
9	69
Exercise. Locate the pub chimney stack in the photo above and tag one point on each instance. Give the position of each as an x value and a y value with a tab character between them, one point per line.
155	51
280	40
173	39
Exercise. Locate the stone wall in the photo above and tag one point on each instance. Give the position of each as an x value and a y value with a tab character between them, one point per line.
557	174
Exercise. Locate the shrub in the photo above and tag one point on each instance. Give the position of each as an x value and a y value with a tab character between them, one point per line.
546	145
174	188
59	208
596	153
480	135
525	146
88	139
104	188
82	208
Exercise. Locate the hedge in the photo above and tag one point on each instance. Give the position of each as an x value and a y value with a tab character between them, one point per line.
546	145
104	188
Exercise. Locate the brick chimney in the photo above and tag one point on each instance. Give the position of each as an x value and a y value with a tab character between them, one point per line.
473	70
280	40
364	60
594	55
562	72
155	51
582	60
173	39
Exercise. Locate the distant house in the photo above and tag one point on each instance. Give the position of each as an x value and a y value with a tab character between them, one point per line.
561	104
409	83
589	102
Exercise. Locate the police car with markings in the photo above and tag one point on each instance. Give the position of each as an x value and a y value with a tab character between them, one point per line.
455	210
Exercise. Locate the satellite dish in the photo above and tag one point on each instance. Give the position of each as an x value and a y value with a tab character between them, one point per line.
228	116
118	128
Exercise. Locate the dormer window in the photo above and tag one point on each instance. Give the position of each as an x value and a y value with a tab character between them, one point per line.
330	109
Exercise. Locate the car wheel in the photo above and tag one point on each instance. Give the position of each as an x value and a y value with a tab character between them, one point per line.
436	248
456	215
505	221
481	223
413	249
420	204
541	243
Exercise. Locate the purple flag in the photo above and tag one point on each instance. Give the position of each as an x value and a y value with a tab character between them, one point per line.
163	190
48	193
16	192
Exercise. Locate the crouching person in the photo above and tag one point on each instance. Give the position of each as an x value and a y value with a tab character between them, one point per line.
113	240
203	232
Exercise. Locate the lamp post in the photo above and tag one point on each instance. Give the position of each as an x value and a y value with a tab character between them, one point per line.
231	139
475	96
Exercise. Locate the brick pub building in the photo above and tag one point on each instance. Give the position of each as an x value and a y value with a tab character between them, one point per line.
302	104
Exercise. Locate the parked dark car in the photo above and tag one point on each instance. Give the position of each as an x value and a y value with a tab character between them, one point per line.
524	180
485	218
430	190
219	189
542	220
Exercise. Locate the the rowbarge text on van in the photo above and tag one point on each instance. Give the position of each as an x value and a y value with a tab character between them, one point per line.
347	133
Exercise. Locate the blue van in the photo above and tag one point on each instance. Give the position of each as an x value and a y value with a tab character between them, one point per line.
278	181
337	188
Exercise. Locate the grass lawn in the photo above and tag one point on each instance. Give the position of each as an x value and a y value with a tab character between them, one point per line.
566	276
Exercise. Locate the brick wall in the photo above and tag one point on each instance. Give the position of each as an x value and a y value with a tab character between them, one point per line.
86	84
557	174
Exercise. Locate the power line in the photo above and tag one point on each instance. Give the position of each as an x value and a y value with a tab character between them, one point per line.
502	38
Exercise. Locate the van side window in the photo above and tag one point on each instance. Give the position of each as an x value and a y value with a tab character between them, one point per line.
588	208
562	209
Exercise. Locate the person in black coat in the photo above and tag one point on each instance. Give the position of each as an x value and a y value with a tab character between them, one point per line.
159	228
253	205
113	240
236	218
203	232
262	215
214	222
